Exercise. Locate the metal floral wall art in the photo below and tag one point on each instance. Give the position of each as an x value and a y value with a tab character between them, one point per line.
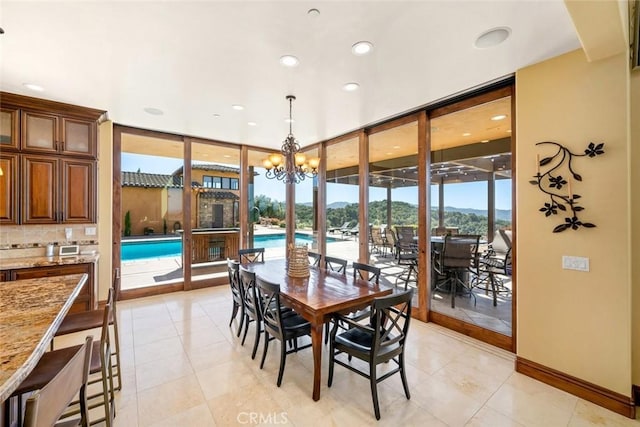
551	183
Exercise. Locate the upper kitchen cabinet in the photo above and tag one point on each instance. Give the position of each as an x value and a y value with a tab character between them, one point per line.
40	126
51	133
9	128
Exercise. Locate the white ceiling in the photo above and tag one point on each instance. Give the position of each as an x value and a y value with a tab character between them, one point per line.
195	59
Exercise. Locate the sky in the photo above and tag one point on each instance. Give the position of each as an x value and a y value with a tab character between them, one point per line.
467	195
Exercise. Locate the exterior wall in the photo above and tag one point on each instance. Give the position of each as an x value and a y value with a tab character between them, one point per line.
576	322
145	207
205	212
635	220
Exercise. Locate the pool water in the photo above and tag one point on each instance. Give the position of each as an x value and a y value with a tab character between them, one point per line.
133	250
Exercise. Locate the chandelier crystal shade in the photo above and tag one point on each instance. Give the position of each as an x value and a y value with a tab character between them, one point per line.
290	165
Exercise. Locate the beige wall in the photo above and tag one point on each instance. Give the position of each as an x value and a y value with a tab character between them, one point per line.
147	207
576	322
105	202
635	217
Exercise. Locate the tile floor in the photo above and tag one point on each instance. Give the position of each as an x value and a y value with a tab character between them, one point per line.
183	366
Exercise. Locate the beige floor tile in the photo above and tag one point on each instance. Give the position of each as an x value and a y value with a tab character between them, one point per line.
161	371
532	403
236	406
225	378
203	338
169	399
162	348
149	335
487	417
194	324
589	414
199	416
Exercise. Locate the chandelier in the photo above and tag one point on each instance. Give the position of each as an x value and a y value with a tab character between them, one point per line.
290	165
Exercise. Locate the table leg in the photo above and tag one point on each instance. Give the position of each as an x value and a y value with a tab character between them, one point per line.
316	344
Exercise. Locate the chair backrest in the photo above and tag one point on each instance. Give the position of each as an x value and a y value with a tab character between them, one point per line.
105	356
248	256
376	236
391	316
44	407
405	236
270	309
366	272
460	251
315	258
390	235
501	243
338	265
233	268
249	297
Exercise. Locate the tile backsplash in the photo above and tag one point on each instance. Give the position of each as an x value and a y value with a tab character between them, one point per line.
30	240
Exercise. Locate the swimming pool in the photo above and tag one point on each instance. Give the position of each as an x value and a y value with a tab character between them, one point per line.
158	248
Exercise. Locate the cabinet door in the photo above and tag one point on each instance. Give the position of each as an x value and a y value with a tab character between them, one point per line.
39	132
9	127
40	190
78	137
78	191
8	188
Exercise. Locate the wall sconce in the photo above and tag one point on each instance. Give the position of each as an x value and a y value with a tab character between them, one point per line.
550	182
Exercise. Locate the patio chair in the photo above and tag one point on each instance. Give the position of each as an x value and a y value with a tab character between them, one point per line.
341	229
405	242
353	231
378	242
380	342
458	258
493	263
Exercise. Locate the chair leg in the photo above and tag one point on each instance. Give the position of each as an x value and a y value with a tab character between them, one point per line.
493	289
246	328
403	376
257	340
331	363
264	351
234	313
242	316
283	361
374	389
326	332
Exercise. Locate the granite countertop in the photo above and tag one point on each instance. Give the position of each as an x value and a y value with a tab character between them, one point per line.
31	310
44	261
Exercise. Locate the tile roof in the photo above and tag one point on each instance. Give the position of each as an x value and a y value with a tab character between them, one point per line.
209	167
150	180
218	195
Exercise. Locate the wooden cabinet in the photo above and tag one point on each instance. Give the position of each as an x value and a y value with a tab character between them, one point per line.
8	188
55	134
49	149
85	301
58	190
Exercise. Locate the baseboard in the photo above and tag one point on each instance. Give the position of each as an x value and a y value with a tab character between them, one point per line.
601	396
490	337
636	394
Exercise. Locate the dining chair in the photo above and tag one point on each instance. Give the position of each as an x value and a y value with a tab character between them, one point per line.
409	262
277	325
251	308
383	340
315	259
233	269
458	259
378	242
371	274
392	241
405	242
338	265
92	319
45	406
248	256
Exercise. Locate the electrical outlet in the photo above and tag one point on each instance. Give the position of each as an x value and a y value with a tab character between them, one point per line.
575	263
90	231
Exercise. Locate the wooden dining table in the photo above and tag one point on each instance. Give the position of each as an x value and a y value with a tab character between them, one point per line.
30	312
318	297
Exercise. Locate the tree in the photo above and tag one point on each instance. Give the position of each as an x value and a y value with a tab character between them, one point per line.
127	223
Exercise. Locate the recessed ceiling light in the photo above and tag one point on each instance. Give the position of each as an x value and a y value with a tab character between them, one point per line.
499	117
466	134
252	123
226	156
396	146
289	60
362	48
508	130
237	107
484	141
313	12
350	87
492	37
33	87
216	115
288	120
153	111
389	154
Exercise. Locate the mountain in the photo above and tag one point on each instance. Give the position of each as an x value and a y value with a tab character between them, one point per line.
337	205
504	214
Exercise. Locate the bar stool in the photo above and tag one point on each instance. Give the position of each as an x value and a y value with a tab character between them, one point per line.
76	322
